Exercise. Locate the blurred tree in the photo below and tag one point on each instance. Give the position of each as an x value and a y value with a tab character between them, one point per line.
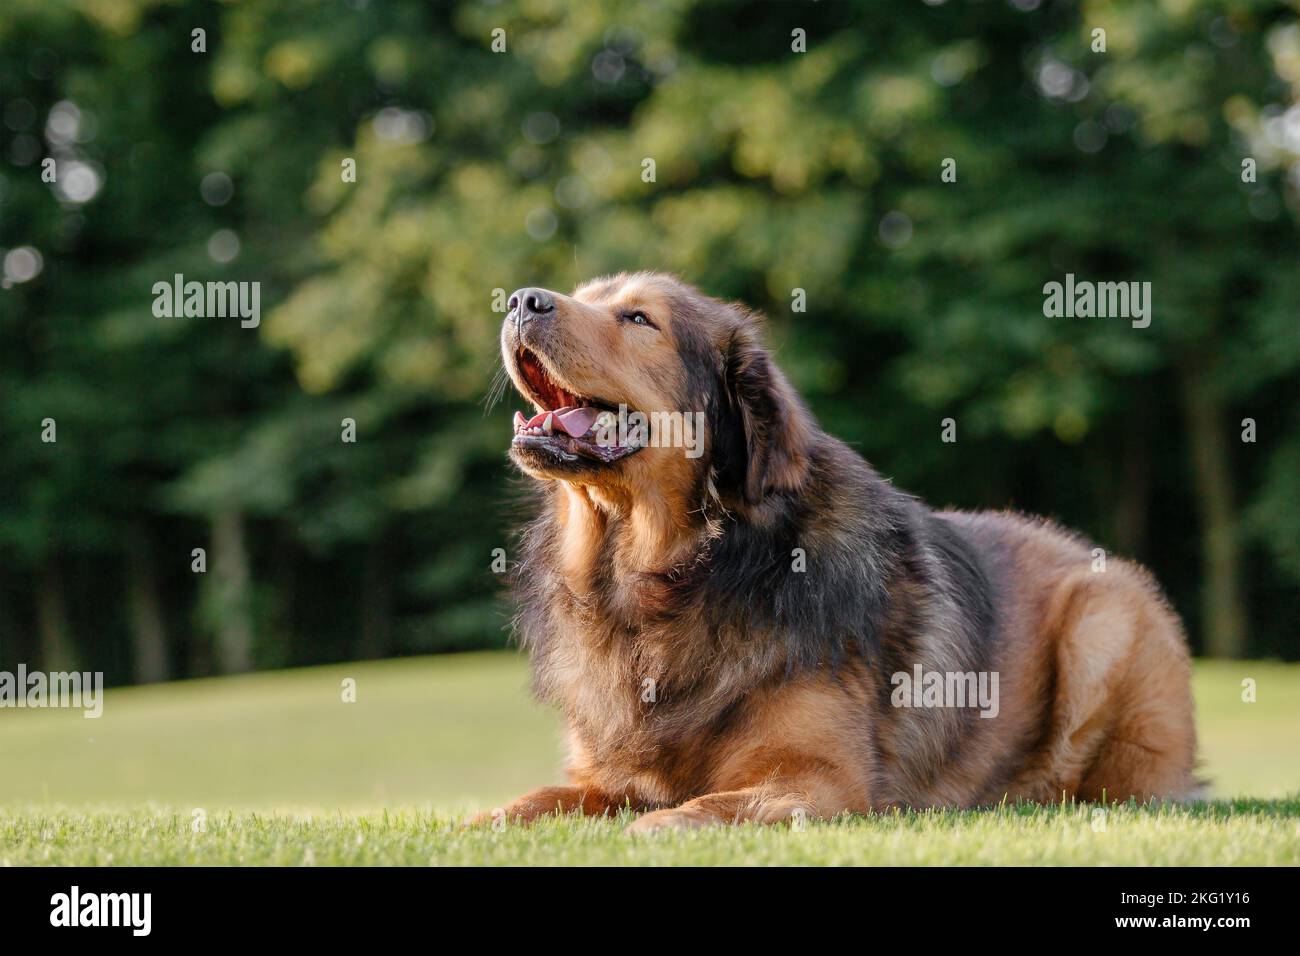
385	175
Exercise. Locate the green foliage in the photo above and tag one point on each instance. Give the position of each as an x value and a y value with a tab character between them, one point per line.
774	171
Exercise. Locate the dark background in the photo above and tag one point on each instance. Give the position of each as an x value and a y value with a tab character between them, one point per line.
480	171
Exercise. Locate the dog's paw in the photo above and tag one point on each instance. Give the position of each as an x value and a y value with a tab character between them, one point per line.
487	820
671	819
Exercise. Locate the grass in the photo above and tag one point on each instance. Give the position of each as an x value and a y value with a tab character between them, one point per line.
1244	832
283	772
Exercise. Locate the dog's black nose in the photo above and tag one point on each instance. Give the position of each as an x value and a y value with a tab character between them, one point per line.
529	304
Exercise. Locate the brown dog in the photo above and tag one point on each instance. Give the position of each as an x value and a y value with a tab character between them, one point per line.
741	620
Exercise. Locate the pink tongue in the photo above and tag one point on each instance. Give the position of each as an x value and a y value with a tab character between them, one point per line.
570	419
578	421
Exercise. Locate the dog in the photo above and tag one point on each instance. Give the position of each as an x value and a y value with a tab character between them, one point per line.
730	635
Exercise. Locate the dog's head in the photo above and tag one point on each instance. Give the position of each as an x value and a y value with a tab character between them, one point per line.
640	382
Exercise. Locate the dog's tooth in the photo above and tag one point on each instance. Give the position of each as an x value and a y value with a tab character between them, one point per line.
520	421
548	424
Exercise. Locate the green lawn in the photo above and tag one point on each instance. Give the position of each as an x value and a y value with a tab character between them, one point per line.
283	772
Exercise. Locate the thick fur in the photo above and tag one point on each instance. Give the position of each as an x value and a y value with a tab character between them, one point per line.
704	677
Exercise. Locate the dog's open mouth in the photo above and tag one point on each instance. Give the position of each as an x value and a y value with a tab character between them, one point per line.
568	426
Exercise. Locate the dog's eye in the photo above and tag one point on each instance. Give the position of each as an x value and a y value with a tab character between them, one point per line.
637	318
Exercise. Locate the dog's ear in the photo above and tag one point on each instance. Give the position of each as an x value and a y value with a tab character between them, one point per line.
770	432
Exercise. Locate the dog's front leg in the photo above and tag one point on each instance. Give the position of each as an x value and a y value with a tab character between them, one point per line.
771	802
556	801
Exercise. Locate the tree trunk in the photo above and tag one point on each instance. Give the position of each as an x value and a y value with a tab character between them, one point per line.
148	632
55	640
1223	612
1132	500
376	602
13	636
232	597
